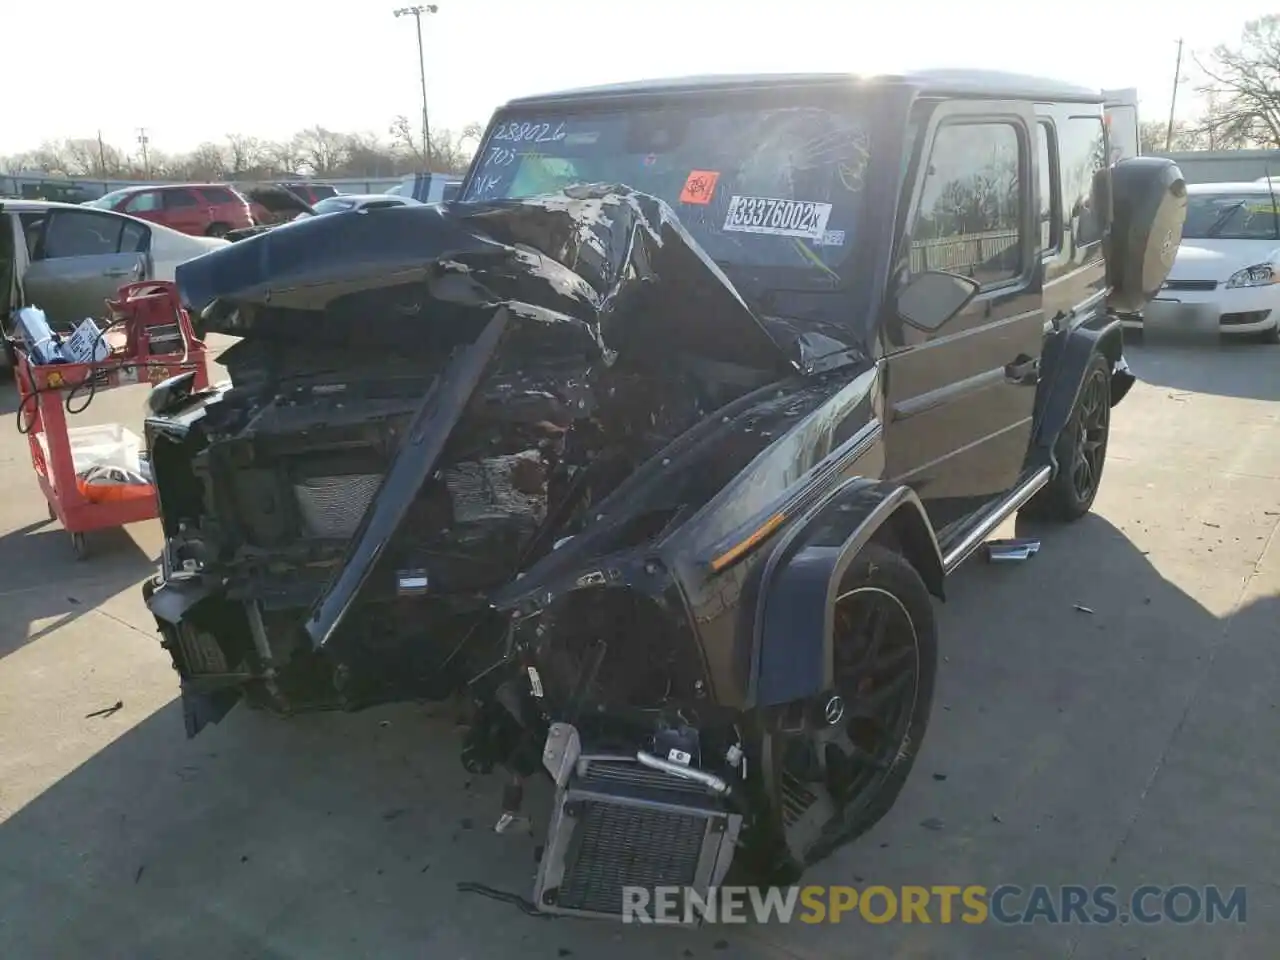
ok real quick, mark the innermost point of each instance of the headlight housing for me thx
(1259, 275)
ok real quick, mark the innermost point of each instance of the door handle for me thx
(119, 273)
(1024, 371)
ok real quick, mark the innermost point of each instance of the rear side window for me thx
(215, 196)
(180, 198)
(1050, 198)
(969, 219)
(322, 190)
(79, 233)
(1082, 147)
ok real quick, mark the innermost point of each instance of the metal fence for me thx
(960, 252)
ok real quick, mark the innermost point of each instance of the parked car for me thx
(1225, 279)
(663, 474)
(427, 187)
(360, 201)
(337, 204)
(311, 191)
(271, 204)
(199, 209)
(68, 259)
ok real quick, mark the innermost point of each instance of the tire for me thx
(1067, 497)
(1272, 335)
(780, 843)
(217, 230)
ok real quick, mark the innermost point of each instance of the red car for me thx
(200, 209)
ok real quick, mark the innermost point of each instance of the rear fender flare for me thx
(794, 625)
(1067, 365)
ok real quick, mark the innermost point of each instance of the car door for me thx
(960, 398)
(79, 258)
(184, 211)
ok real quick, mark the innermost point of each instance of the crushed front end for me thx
(423, 403)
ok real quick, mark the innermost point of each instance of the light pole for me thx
(416, 13)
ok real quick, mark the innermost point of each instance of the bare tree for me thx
(243, 153)
(1244, 87)
(318, 151)
(321, 151)
(1186, 136)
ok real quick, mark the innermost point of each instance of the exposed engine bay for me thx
(425, 404)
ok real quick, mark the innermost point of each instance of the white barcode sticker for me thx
(679, 756)
(781, 218)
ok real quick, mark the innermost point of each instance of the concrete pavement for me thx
(1128, 745)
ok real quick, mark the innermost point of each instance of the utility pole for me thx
(102, 155)
(143, 140)
(416, 13)
(1173, 100)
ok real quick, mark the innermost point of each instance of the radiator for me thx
(332, 507)
(618, 824)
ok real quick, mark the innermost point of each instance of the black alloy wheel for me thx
(834, 764)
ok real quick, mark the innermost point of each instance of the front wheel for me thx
(832, 765)
(218, 230)
(1081, 451)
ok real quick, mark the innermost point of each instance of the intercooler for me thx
(617, 824)
(332, 507)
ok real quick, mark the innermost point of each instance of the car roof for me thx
(1246, 187)
(949, 82)
(363, 197)
(37, 206)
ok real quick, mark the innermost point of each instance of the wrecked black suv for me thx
(658, 443)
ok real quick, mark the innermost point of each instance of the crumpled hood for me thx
(602, 263)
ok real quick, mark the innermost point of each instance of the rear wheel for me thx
(832, 765)
(1081, 451)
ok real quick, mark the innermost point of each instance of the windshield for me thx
(108, 201)
(759, 189)
(334, 205)
(1229, 216)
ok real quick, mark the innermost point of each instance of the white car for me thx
(1226, 274)
(361, 201)
(68, 259)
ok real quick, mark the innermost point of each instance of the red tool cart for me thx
(150, 339)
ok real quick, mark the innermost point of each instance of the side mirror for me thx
(932, 298)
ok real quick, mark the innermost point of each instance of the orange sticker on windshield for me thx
(699, 187)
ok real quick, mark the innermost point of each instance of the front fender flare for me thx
(794, 623)
(1066, 363)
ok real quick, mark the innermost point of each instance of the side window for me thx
(1082, 148)
(216, 196)
(179, 198)
(970, 214)
(1050, 197)
(143, 203)
(76, 233)
(134, 238)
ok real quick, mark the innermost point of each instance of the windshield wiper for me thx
(1223, 218)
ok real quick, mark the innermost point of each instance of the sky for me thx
(191, 72)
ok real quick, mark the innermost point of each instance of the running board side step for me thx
(975, 537)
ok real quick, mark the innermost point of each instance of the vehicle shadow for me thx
(345, 835)
(1226, 369)
(43, 583)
